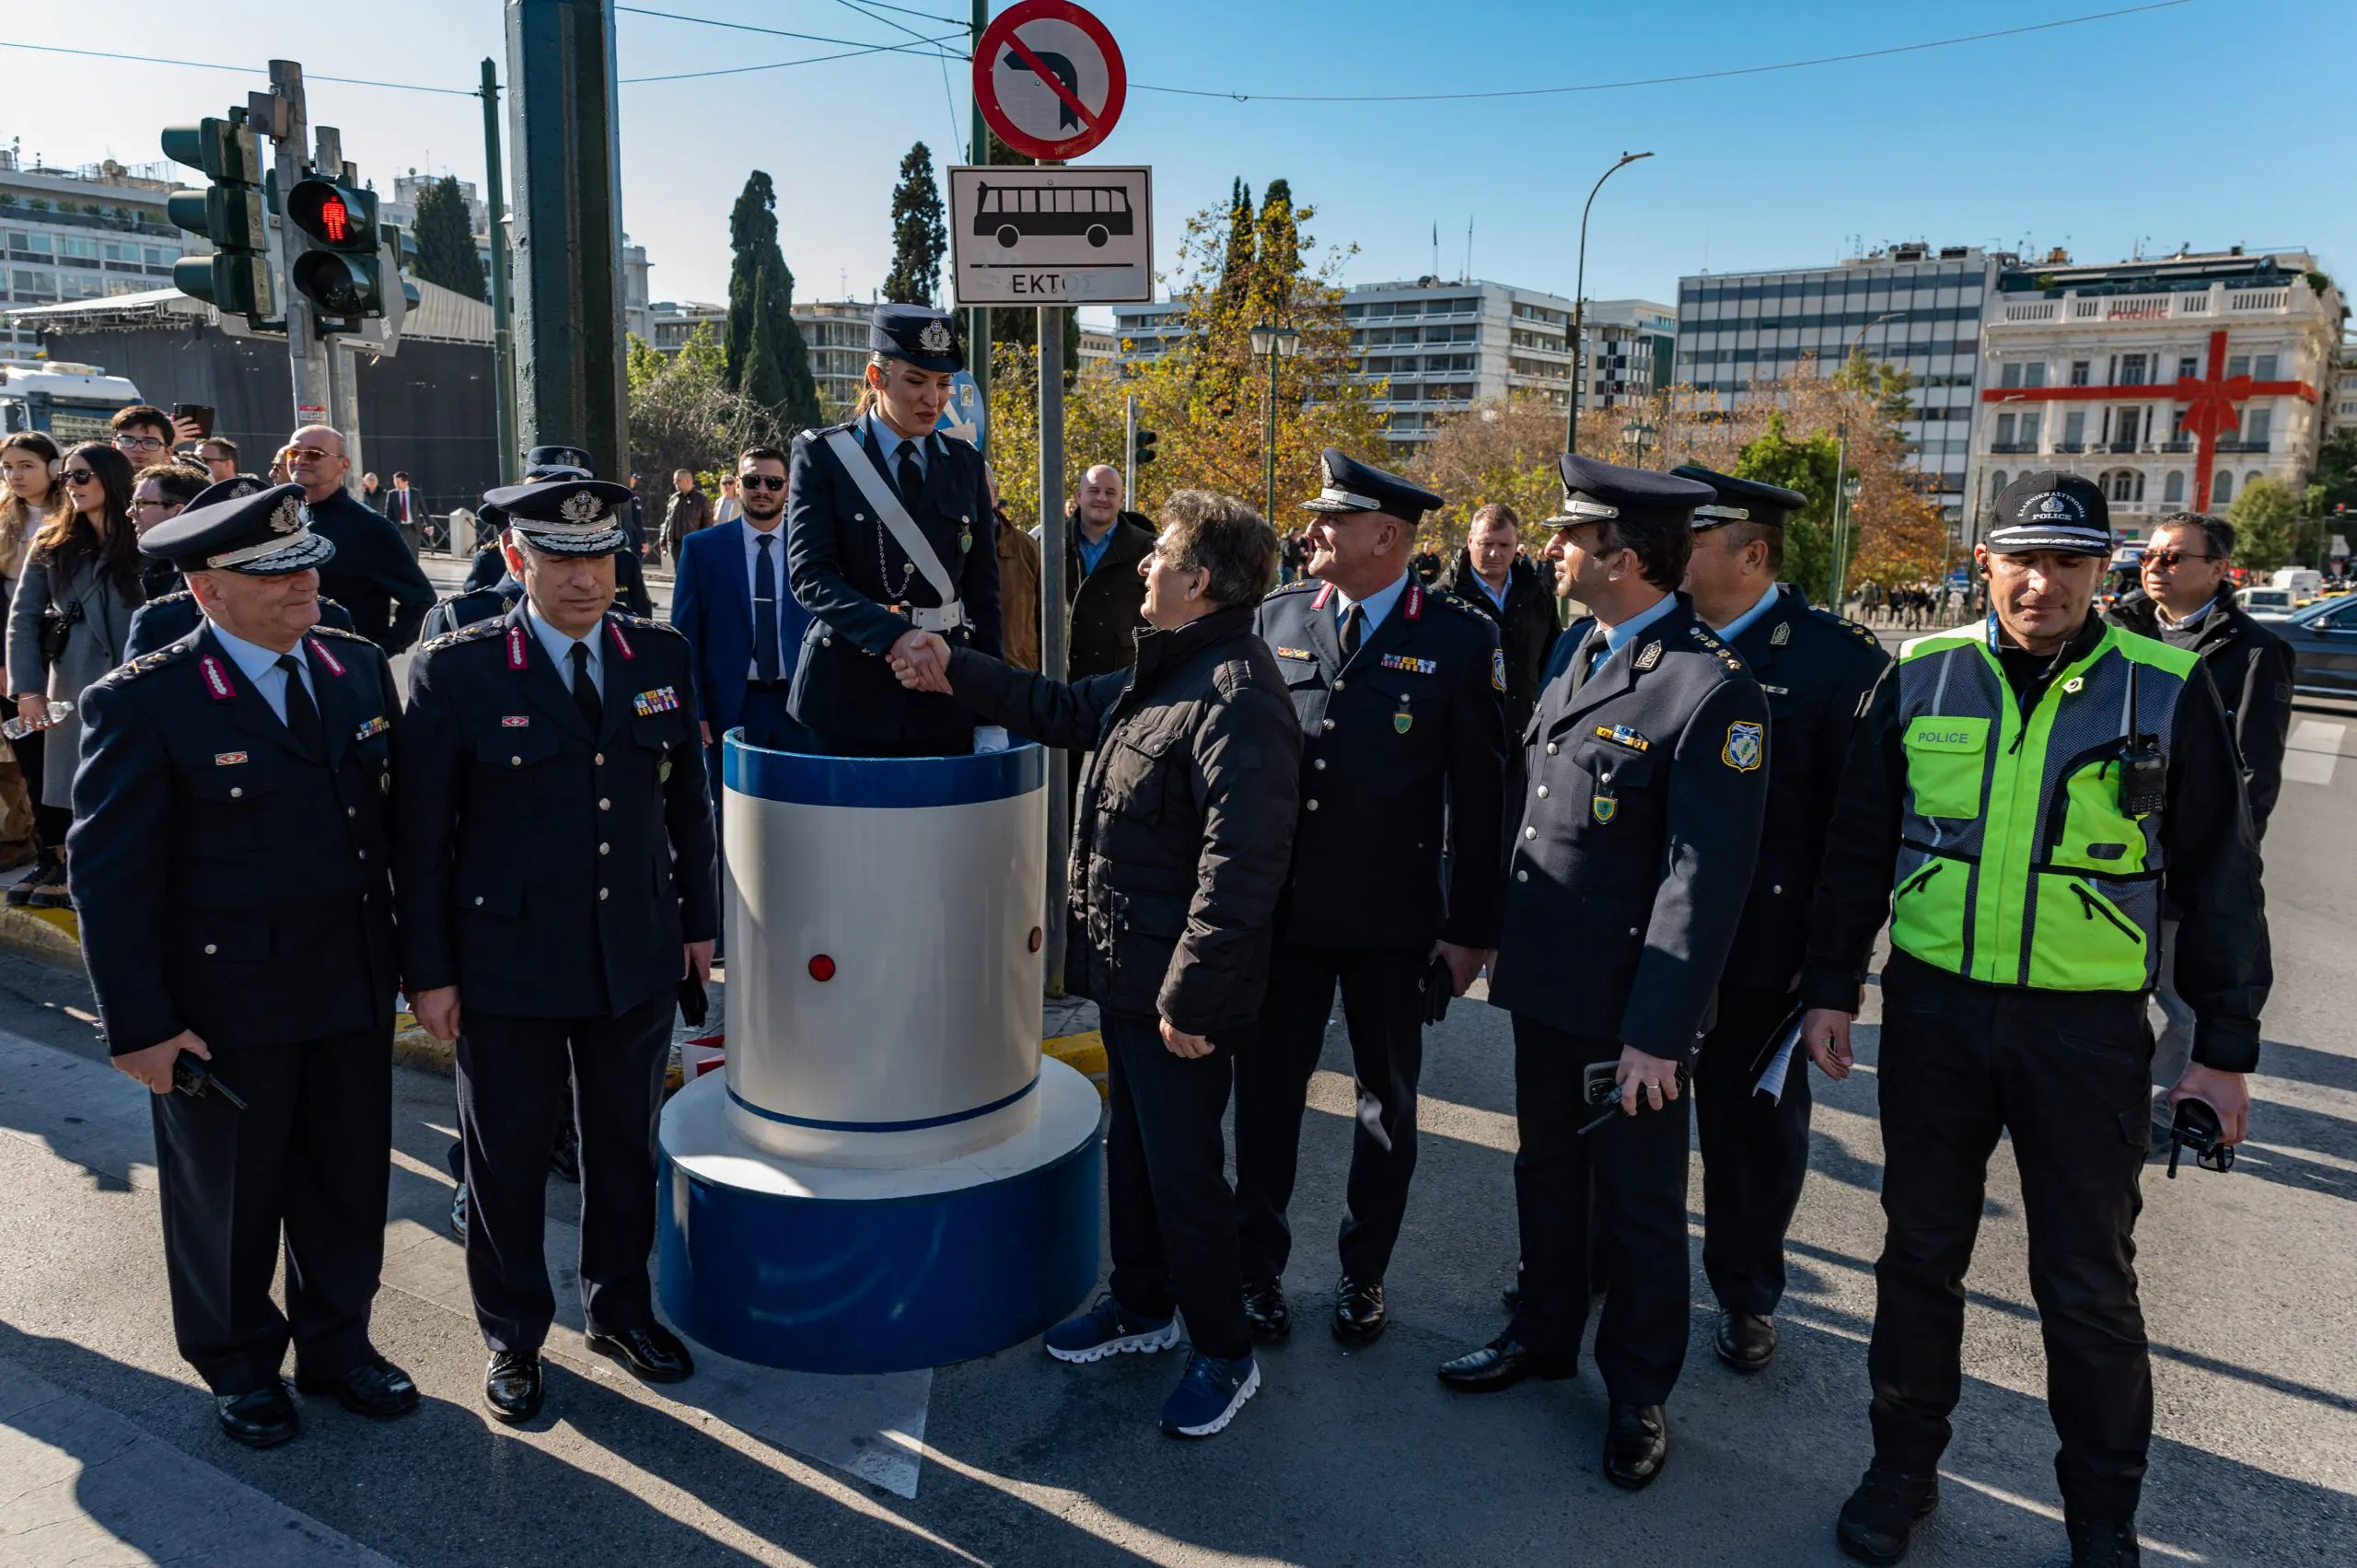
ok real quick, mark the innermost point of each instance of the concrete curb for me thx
(1084, 1053)
(47, 936)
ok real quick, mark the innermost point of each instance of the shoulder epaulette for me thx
(324, 629)
(474, 632)
(146, 664)
(173, 598)
(1458, 602)
(641, 623)
(1298, 585)
(1853, 627)
(1711, 645)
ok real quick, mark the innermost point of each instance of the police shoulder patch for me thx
(1745, 746)
(474, 632)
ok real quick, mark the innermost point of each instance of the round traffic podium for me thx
(887, 1174)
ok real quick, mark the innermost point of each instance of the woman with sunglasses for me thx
(29, 463)
(69, 623)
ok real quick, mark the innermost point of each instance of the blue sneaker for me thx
(1208, 1395)
(1108, 1328)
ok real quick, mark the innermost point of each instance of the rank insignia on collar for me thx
(1781, 636)
(515, 647)
(621, 643)
(1413, 666)
(377, 725)
(1747, 744)
(1294, 652)
(514, 721)
(228, 758)
(662, 700)
(1650, 658)
(216, 680)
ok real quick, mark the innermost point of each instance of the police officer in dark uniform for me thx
(888, 534)
(1641, 786)
(558, 880)
(1397, 690)
(1816, 670)
(169, 617)
(230, 846)
(489, 568)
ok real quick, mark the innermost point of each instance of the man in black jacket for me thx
(372, 575)
(1185, 827)
(1101, 583)
(1494, 575)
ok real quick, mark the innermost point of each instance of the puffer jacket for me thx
(1184, 824)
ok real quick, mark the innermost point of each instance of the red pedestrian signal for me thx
(339, 270)
(336, 221)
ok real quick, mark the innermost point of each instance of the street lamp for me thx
(1276, 342)
(1579, 302)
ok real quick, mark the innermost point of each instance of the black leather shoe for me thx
(376, 1388)
(1746, 1341)
(1500, 1363)
(458, 1213)
(1266, 1309)
(2104, 1543)
(260, 1418)
(651, 1354)
(1359, 1317)
(1636, 1445)
(1881, 1517)
(512, 1385)
(1512, 1295)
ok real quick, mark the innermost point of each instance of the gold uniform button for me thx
(352, 811)
(1327, 722)
(1604, 778)
(478, 901)
(515, 762)
(1338, 683)
(1777, 888)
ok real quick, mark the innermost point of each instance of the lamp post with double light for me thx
(1275, 343)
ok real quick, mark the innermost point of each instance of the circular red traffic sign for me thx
(1049, 80)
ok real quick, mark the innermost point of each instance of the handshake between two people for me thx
(920, 661)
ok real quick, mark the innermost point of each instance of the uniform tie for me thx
(1591, 652)
(1354, 631)
(585, 691)
(302, 718)
(765, 660)
(911, 477)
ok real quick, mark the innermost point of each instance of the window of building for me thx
(2124, 485)
(2078, 373)
(2010, 377)
(2237, 365)
(2188, 369)
(2075, 427)
(2263, 368)
(2258, 424)
(2030, 430)
(2006, 429)
(2173, 488)
(2034, 373)
(2132, 371)
(1997, 482)
(2222, 490)
(81, 250)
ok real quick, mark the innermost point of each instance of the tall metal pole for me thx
(503, 327)
(341, 365)
(978, 354)
(1268, 445)
(1054, 640)
(306, 358)
(1129, 449)
(1579, 304)
(1841, 498)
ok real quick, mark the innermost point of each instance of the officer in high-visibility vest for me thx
(2022, 799)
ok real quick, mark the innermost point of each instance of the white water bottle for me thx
(19, 728)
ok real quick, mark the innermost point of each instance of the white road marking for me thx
(2312, 752)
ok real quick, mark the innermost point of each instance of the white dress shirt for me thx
(559, 648)
(261, 666)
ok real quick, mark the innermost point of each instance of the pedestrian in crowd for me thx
(369, 487)
(219, 456)
(2187, 599)
(1393, 895)
(1495, 576)
(282, 466)
(1640, 799)
(159, 494)
(744, 630)
(1816, 669)
(28, 464)
(143, 433)
(373, 573)
(401, 510)
(68, 624)
(888, 537)
(511, 944)
(1104, 588)
(172, 611)
(230, 854)
(687, 511)
(2014, 1000)
(1426, 563)
(1018, 584)
(731, 505)
(1178, 858)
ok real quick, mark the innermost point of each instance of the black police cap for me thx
(257, 530)
(2047, 509)
(1740, 500)
(1345, 485)
(924, 337)
(1598, 492)
(559, 457)
(566, 517)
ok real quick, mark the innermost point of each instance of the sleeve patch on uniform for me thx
(1745, 746)
(1498, 668)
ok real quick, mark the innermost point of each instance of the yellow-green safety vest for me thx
(2018, 863)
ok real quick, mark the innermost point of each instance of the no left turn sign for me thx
(1049, 80)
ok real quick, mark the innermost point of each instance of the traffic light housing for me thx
(1143, 453)
(237, 279)
(338, 269)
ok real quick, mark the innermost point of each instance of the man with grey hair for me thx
(372, 575)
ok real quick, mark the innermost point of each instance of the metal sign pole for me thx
(1054, 622)
(977, 338)
(1130, 450)
(502, 330)
(289, 128)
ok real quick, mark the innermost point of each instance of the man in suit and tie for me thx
(732, 603)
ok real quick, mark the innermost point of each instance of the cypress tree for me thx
(766, 357)
(445, 240)
(1235, 268)
(920, 235)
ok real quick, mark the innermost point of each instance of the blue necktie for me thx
(765, 610)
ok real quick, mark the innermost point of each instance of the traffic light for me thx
(339, 269)
(237, 278)
(1143, 453)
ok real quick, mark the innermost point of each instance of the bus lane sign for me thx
(1073, 235)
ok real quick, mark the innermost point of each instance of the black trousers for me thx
(305, 1163)
(1383, 1008)
(1623, 1186)
(1171, 1217)
(511, 1078)
(1755, 1151)
(2064, 1073)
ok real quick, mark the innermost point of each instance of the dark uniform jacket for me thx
(1109, 604)
(537, 860)
(1637, 809)
(168, 618)
(1185, 819)
(469, 606)
(2252, 670)
(372, 575)
(227, 882)
(1816, 669)
(1526, 629)
(848, 571)
(1403, 744)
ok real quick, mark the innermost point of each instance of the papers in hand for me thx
(1772, 1081)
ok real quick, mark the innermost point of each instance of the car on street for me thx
(2266, 604)
(2324, 647)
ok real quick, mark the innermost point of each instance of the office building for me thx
(86, 233)
(834, 335)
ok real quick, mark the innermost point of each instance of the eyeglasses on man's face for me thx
(762, 481)
(308, 455)
(127, 442)
(2170, 560)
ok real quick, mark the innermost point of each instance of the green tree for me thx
(445, 240)
(1235, 267)
(765, 358)
(920, 235)
(2335, 481)
(682, 413)
(2266, 520)
(1807, 465)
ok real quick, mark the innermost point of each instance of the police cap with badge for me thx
(240, 526)
(566, 517)
(1740, 500)
(1598, 492)
(2047, 509)
(919, 334)
(558, 462)
(1346, 485)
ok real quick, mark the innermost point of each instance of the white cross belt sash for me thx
(904, 531)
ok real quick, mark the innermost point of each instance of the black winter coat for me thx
(1109, 604)
(1526, 630)
(1186, 816)
(2252, 667)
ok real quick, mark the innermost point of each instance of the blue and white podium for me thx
(887, 1174)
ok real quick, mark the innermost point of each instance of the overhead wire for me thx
(115, 57)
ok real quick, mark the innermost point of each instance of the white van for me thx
(2266, 604)
(2306, 583)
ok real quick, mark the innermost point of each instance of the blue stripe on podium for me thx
(881, 783)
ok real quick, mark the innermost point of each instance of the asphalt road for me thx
(108, 1452)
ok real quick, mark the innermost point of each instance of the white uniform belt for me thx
(935, 618)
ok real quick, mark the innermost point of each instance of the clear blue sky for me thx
(2210, 123)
